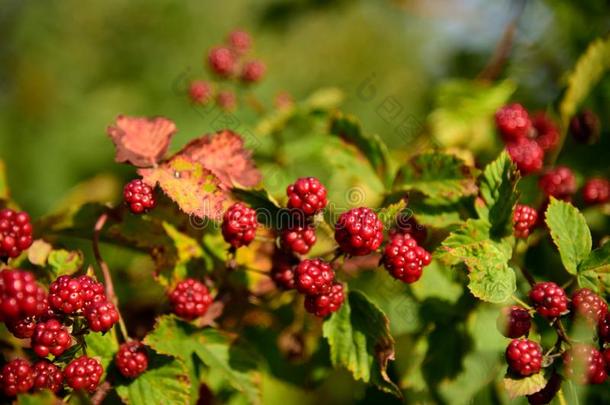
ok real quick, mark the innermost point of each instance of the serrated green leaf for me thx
(166, 381)
(437, 215)
(45, 397)
(104, 346)
(4, 193)
(491, 279)
(65, 262)
(360, 340)
(268, 211)
(372, 146)
(388, 214)
(177, 338)
(570, 233)
(518, 387)
(588, 279)
(498, 190)
(597, 261)
(437, 175)
(589, 69)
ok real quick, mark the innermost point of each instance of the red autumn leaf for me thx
(224, 155)
(194, 188)
(141, 141)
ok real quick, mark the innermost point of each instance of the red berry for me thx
(585, 127)
(91, 291)
(50, 337)
(253, 71)
(20, 295)
(589, 305)
(549, 299)
(526, 154)
(101, 316)
(190, 299)
(240, 41)
(323, 305)
(603, 329)
(139, 196)
(83, 373)
(407, 224)
(226, 100)
(16, 377)
(596, 191)
(15, 233)
(584, 364)
(307, 195)
(514, 322)
(69, 295)
(558, 182)
(513, 122)
(525, 219)
(222, 61)
(200, 92)
(47, 376)
(524, 356)
(299, 239)
(21, 328)
(547, 133)
(404, 258)
(282, 269)
(313, 277)
(239, 225)
(359, 231)
(131, 359)
(546, 395)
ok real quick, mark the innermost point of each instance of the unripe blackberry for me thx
(226, 100)
(404, 258)
(584, 364)
(101, 316)
(596, 191)
(546, 395)
(547, 133)
(323, 305)
(282, 269)
(91, 290)
(83, 373)
(514, 322)
(20, 295)
(16, 377)
(407, 224)
(308, 195)
(21, 328)
(15, 233)
(200, 92)
(585, 127)
(299, 239)
(314, 277)
(50, 337)
(190, 299)
(239, 225)
(527, 155)
(525, 219)
(47, 376)
(359, 231)
(253, 71)
(131, 359)
(549, 299)
(587, 304)
(240, 41)
(558, 182)
(524, 357)
(222, 61)
(70, 295)
(513, 122)
(139, 196)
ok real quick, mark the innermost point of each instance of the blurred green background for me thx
(68, 68)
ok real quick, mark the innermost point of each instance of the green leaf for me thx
(372, 146)
(498, 189)
(65, 262)
(324, 99)
(388, 214)
(463, 114)
(518, 387)
(166, 381)
(589, 69)
(437, 215)
(597, 261)
(104, 346)
(360, 340)
(438, 175)
(570, 233)
(268, 211)
(4, 193)
(187, 249)
(39, 252)
(174, 337)
(45, 397)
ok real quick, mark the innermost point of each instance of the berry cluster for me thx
(525, 219)
(404, 258)
(190, 299)
(15, 233)
(239, 225)
(139, 196)
(228, 61)
(131, 359)
(49, 320)
(316, 279)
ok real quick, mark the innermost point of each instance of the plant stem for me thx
(561, 397)
(99, 225)
(101, 393)
(522, 303)
(528, 276)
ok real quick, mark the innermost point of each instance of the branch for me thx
(101, 393)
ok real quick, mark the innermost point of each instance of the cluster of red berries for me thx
(15, 233)
(228, 61)
(139, 196)
(583, 363)
(48, 320)
(190, 299)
